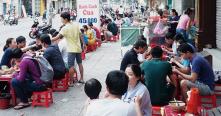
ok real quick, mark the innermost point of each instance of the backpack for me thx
(46, 69)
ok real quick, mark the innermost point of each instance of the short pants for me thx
(203, 88)
(72, 57)
(109, 34)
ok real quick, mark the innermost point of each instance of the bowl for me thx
(177, 106)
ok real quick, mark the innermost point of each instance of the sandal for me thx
(21, 106)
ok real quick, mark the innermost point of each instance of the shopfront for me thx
(218, 23)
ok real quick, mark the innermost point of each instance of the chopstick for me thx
(177, 104)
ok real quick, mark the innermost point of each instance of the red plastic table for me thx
(8, 79)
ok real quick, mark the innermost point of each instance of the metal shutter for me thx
(218, 23)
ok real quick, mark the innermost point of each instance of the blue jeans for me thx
(161, 40)
(24, 89)
(185, 36)
(183, 33)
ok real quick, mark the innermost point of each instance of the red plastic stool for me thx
(118, 36)
(114, 38)
(83, 56)
(91, 48)
(98, 43)
(210, 100)
(218, 93)
(156, 111)
(43, 98)
(61, 85)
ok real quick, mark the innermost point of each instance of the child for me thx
(183, 64)
(21, 42)
(92, 88)
(85, 38)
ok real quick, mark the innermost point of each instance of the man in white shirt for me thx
(112, 105)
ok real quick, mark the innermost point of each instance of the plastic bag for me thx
(193, 101)
(160, 29)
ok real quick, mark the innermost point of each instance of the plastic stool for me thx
(217, 91)
(83, 56)
(114, 38)
(211, 101)
(91, 48)
(98, 43)
(156, 111)
(42, 98)
(61, 85)
(118, 36)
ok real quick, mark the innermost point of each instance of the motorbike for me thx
(37, 30)
(13, 20)
(37, 14)
(6, 19)
(10, 20)
(1, 18)
(34, 27)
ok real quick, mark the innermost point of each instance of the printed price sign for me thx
(88, 11)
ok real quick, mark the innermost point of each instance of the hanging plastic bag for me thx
(160, 29)
(193, 101)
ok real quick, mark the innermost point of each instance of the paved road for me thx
(23, 28)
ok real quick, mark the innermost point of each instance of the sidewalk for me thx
(70, 103)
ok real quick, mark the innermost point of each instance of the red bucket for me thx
(5, 101)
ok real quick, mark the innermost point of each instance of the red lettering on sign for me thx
(92, 6)
(86, 12)
(82, 6)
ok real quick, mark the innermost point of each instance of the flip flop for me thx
(18, 107)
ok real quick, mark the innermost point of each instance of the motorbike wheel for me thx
(31, 35)
(11, 23)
